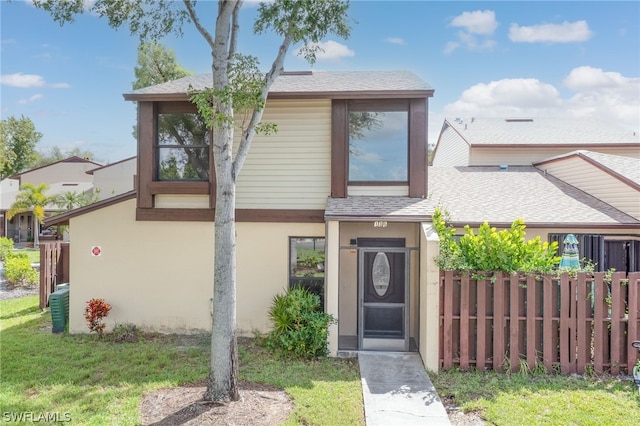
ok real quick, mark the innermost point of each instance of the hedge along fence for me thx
(568, 323)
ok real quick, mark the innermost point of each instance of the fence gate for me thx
(54, 268)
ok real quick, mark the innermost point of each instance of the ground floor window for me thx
(306, 264)
(619, 252)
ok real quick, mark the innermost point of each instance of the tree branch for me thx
(196, 21)
(233, 42)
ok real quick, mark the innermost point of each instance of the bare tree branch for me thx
(196, 21)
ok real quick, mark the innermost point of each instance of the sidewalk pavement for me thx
(397, 391)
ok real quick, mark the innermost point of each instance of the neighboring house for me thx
(550, 207)
(523, 141)
(68, 175)
(343, 182)
(498, 170)
(114, 179)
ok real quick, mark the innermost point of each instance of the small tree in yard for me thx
(237, 87)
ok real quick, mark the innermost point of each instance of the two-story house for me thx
(68, 175)
(339, 193)
(561, 175)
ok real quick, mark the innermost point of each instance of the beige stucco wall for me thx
(159, 275)
(114, 179)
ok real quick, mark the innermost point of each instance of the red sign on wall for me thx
(96, 251)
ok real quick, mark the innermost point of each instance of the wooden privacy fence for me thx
(564, 323)
(54, 268)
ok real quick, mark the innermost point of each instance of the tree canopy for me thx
(18, 139)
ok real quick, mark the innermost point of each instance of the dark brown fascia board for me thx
(554, 225)
(242, 215)
(380, 94)
(90, 172)
(594, 163)
(63, 219)
(575, 146)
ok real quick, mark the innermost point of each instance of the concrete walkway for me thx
(397, 391)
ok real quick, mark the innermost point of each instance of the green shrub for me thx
(492, 250)
(125, 333)
(18, 270)
(300, 328)
(6, 247)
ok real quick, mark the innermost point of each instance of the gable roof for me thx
(73, 159)
(316, 84)
(540, 131)
(473, 195)
(625, 169)
(90, 172)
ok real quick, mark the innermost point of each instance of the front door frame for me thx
(381, 343)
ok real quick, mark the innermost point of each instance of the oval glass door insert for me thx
(381, 273)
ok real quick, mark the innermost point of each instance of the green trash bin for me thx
(59, 307)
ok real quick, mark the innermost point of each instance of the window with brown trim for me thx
(378, 142)
(182, 147)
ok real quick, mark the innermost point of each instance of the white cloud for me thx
(596, 94)
(22, 80)
(477, 22)
(331, 51)
(477, 28)
(30, 99)
(29, 81)
(567, 32)
(395, 40)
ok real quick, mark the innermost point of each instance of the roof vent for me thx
(503, 167)
(519, 120)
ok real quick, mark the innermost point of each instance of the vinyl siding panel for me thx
(525, 155)
(114, 180)
(292, 168)
(602, 185)
(392, 191)
(452, 150)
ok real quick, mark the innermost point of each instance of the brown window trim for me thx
(417, 163)
(242, 215)
(147, 183)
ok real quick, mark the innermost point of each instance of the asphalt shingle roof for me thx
(376, 207)
(541, 131)
(477, 194)
(313, 82)
(624, 166)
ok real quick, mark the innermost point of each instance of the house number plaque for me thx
(380, 273)
(380, 224)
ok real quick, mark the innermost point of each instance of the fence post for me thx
(583, 347)
(448, 320)
(498, 321)
(481, 319)
(633, 330)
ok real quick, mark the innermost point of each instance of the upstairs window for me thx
(182, 147)
(378, 143)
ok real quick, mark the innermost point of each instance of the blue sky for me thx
(484, 59)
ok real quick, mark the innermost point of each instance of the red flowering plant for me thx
(94, 313)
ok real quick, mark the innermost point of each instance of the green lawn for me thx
(97, 381)
(542, 399)
(32, 253)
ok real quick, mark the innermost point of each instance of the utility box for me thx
(59, 307)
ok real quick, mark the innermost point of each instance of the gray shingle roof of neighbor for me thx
(306, 83)
(541, 131)
(627, 167)
(376, 207)
(476, 194)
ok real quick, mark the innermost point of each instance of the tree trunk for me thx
(223, 379)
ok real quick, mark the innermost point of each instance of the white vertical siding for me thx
(114, 179)
(592, 180)
(452, 150)
(292, 168)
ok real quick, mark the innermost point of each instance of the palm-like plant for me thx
(31, 198)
